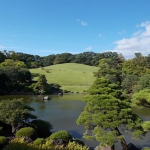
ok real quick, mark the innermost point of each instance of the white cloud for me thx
(122, 32)
(83, 23)
(100, 34)
(2, 47)
(139, 42)
(88, 48)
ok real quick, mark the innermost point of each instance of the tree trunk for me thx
(13, 129)
(122, 141)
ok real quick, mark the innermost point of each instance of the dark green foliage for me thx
(42, 87)
(2, 57)
(129, 82)
(27, 132)
(3, 141)
(141, 99)
(62, 134)
(15, 113)
(39, 141)
(19, 146)
(109, 69)
(42, 127)
(144, 82)
(80, 142)
(105, 112)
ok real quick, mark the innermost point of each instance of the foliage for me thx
(75, 146)
(27, 132)
(105, 112)
(144, 82)
(62, 134)
(3, 141)
(42, 127)
(129, 82)
(19, 146)
(141, 99)
(109, 69)
(39, 142)
(15, 113)
(46, 146)
(12, 63)
(41, 87)
(136, 66)
(78, 141)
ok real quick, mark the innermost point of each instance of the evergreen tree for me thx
(15, 113)
(105, 112)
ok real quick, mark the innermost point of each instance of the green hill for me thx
(71, 76)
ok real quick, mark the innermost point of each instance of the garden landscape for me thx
(74, 75)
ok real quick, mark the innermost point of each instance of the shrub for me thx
(27, 132)
(39, 141)
(62, 134)
(75, 146)
(78, 141)
(42, 127)
(19, 146)
(3, 141)
(47, 71)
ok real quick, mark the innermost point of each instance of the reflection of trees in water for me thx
(144, 112)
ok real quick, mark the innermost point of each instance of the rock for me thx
(28, 140)
(60, 94)
(131, 147)
(104, 148)
(58, 142)
(46, 98)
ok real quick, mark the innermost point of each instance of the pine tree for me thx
(105, 112)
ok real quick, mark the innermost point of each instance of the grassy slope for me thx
(71, 76)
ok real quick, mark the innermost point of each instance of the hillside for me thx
(71, 76)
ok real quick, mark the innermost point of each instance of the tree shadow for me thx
(34, 75)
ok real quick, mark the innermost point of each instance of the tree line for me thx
(35, 61)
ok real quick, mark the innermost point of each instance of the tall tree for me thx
(107, 110)
(42, 87)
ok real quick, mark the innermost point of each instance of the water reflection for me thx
(62, 112)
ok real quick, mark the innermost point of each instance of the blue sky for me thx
(44, 27)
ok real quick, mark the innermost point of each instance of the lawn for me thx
(71, 76)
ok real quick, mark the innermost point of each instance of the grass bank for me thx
(71, 76)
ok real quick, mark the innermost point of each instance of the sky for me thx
(44, 27)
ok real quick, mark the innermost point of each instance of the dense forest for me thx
(131, 75)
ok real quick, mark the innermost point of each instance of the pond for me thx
(62, 112)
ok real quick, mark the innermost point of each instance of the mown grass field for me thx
(71, 76)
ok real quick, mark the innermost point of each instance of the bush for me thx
(42, 127)
(27, 132)
(19, 146)
(39, 141)
(78, 141)
(76, 146)
(62, 134)
(3, 141)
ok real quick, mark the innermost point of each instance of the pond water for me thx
(62, 112)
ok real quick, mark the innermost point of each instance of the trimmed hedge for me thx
(27, 132)
(3, 141)
(39, 141)
(62, 134)
(42, 127)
